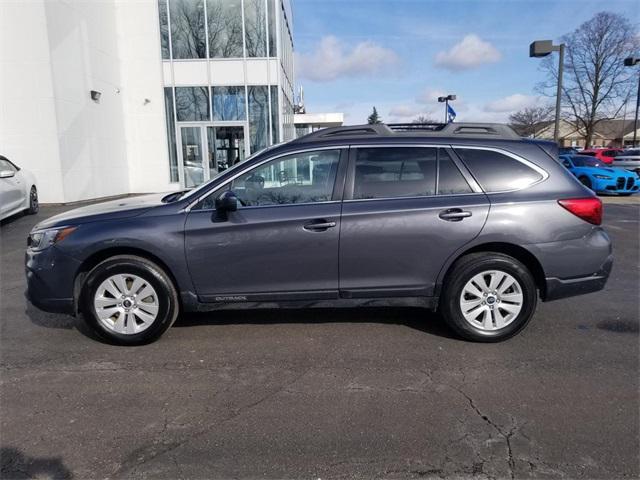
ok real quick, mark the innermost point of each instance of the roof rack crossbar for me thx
(462, 130)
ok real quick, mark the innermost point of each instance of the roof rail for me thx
(461, 130)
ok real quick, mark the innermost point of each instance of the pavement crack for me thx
(172, 446)
(506, 435)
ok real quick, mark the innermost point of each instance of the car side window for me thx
(497, 172)
(391, 172)
(6, 165)
(306, 177)
(450, 179)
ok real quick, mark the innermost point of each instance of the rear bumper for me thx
(557, 288)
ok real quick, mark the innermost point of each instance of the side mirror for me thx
(225, 203)
(7, 173)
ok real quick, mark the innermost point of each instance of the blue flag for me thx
(451, 113)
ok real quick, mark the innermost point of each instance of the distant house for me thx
(608, 133)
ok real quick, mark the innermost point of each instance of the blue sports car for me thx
(600, 177)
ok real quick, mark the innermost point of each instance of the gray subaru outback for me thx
(467, 219)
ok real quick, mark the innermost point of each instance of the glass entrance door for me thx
(204, 154)
(192, 156)
(226, 147)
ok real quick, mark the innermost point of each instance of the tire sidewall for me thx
(167, 300)
(33, 208)
(461, 276)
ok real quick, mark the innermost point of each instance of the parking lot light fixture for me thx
(542, 48)
(631, 62)
(446, 101)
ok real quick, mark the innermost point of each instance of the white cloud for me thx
(471, 52)
(430, 96)
(332, 60)
(404, 111)
(511, 103)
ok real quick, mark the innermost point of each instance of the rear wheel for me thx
(34, 206)
(129, 300)
(488, 297)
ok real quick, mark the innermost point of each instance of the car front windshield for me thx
(584, 161)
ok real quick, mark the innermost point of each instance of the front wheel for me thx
(129, 300)
(488, 297)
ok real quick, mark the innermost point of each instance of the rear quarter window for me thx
(497, 172)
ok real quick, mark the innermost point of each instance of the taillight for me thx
(588, 209)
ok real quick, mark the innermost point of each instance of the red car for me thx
(603, 154)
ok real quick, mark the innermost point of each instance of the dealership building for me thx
(110, 97)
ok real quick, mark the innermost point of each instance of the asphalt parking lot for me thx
(385, 393)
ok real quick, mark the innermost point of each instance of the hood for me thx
(111, 210)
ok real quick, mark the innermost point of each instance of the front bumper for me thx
(557, 288)
(50, 277)
(617, 185)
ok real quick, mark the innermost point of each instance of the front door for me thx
(281, 243)
(206, 150)
(410, 209)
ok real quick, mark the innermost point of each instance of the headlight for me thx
(602, 177)
(41, 239)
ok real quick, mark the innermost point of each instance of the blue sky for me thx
(401, 54)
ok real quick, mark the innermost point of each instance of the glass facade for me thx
(192, 104)
(208, 39)
(228, 103)
(224, 26)
(188, 35)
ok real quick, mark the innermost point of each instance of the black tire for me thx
(34, 205)
(150, 272)
(466, 268)
(586, 182)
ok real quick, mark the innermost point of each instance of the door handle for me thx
(319, 225)
(454, 214)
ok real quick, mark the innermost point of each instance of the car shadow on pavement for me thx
(416, 318)
(15, 464)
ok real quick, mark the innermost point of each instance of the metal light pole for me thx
(542, 48)
(630, 62)
(446, 105)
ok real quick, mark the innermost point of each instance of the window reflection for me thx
(171, 134)
(188, 38)
(275, 130)
(164, 28)
(228, 103)
(224, 20)
(255, 28)
(192, 104)
(271, 15)
(258, 117)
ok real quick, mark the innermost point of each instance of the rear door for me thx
(282, 243)
(406, 210)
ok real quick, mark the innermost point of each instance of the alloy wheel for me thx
(491, 300)
(126, 304)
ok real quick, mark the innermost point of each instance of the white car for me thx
(18, 191)
(629, 159)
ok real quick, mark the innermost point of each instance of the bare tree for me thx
(596, 84)
(424, 119)
(528, 120)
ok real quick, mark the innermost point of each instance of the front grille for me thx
(620, 182)
(630, 182)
